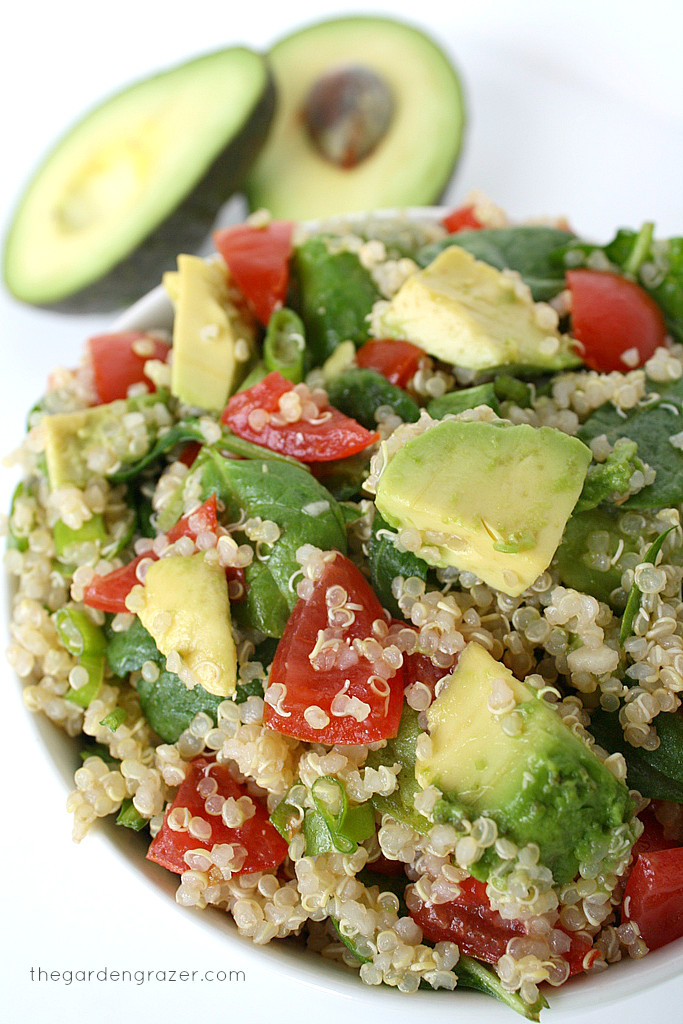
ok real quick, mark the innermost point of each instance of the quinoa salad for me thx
(360, 592)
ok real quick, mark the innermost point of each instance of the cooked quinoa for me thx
(564, 643)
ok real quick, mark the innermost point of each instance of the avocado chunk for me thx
(472, 315)
(354, 95)
(540, 785)
(206, 331)
(74, 439)
(186, 609)
(138, 179)
(487, 498)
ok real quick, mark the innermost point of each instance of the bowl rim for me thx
(620, 982)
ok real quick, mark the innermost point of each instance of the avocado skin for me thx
(185, 230)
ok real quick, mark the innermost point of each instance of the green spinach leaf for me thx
(528, 249)
(657, 774)
(334, 295)
(303, 509)
(359, 393)
(651, 427)
(386, 562)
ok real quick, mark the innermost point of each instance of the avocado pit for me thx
(347, 113)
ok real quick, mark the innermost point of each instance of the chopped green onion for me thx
(86, 641)
(633, 603)
(284, 345)
(641, 248)
(66, 538)
(114, 719)
(129, 817)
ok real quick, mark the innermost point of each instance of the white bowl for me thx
(611, 989)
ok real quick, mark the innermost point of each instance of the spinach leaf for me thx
(359, 393)
(574, 558)
(334, 295)
(527, 249)
(657, 774)
(650, 426)
(303, 509)
(166, 702)
(127, 651)
(344, 478)
(169, 706)
(386, 562)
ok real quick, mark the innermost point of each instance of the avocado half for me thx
(412, 162)
(137, 180)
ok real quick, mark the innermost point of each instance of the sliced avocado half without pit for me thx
(137, 180)
(370, 114)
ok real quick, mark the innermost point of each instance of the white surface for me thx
(573, 109)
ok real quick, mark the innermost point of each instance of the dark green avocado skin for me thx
(186, 229)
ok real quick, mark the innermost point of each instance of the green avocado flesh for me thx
(138, 179)
(484, 497)
(541, 786)
(412, 162)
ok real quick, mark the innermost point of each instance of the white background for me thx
(573, 108)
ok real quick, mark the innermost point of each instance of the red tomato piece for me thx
(462, 219)
(396, 360)
(478, 930)
(109, 593)
(467, 920)
(331, 435)
(420, 667)
(390, 868)
(117, 366)
(258, 260)
(612, 315)
(190, 453)
(303, 685)
(266, 849)
(654, 896)
(652, 837)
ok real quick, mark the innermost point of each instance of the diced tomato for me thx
(420, 668)
(462, 219)
(116, 366)
(652, 837)
(612, 316)
(654, 896)
(109, 593)
(479, 931)
(383, 866)
(302, 693)
(331, 435)
(396, 360)
(258, 260)
(190, 453)
(266, 849)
